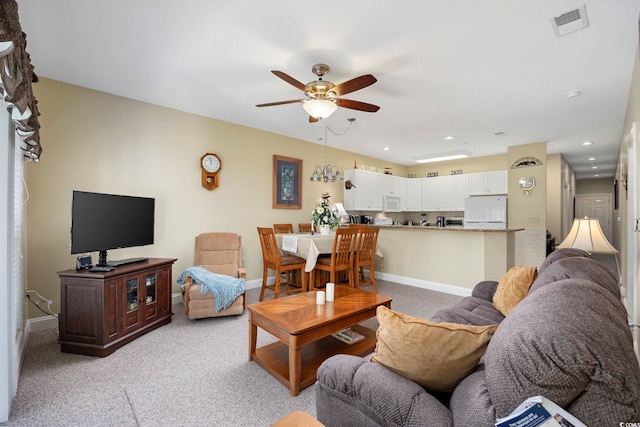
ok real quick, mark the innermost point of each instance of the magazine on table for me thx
(538, 411)
(348, 335)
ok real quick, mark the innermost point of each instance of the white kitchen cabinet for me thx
(488, 183)
(429, 194)
(462, 191)
(366, 195)
(444, 193)
(413, 199)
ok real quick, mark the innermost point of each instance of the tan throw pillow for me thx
(513, 287)
(435, 355)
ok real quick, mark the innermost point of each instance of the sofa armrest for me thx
(485, 290)
(368, 394)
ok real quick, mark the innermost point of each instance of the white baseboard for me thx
(425, 284)
(43, 323)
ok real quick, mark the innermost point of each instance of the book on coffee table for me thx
(348, 336)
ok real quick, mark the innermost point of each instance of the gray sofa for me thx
(567, 340)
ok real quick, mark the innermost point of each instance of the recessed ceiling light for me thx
(595, 174)
(573, 94)
(591, 159)
(449, 138)
(594, 167)
(587, 143)
(385, 149)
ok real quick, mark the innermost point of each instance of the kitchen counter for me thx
(448, 228)
(449, 259)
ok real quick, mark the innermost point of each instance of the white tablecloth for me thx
(309, 246)
(306, 245)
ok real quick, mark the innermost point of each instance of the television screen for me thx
(108, 221)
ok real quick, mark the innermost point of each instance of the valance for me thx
(16, 76)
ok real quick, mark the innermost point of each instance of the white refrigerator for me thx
(485, 212)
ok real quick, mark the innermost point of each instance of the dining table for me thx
(308, 246)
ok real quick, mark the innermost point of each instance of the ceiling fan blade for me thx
(357, 105)
(270, 104)
(354, 84)
(287, 78)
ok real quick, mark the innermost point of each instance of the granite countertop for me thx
(449, 228)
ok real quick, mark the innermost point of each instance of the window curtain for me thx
(16, 76)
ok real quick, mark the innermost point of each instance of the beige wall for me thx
(596, 185)
(627, 241)
(561, 188)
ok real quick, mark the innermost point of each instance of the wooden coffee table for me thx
(304, 329)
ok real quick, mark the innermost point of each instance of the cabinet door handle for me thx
(140, 299)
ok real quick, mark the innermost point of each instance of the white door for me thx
(596, 206)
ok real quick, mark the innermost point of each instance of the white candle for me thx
(319, 297)
(330, 291)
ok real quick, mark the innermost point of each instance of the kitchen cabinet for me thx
(413, 199)
(100, 312)
(488, 183)
(445, 193)
(369, 189)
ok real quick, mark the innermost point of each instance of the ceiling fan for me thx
(323, 96)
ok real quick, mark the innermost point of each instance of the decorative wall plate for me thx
(524, 162)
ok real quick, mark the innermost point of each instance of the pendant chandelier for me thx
(328, 173)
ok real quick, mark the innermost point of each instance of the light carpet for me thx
(187, 373)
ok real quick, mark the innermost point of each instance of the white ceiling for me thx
(468, 68)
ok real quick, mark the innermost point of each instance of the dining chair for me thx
(352, 225)
(365, 256)
(283, 228)
(273, 260)
(304, 227)
(341, 258)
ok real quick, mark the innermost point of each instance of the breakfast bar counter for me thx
(434, 256)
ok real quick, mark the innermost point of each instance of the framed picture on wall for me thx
(287, 183)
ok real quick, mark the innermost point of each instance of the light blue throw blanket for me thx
(225, 288)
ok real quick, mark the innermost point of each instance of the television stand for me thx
(118, 263)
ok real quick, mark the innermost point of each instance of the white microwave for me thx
(391, 203)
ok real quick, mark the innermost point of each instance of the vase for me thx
(325, 229)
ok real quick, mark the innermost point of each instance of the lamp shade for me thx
(319, 108)
(587, 235)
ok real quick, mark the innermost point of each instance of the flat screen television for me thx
(100, 222)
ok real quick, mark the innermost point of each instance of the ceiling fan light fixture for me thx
(319, 108)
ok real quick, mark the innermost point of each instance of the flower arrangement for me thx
(325, 213)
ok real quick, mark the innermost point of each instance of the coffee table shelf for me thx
(274, 357)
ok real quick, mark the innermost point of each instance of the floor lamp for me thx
(587, 235)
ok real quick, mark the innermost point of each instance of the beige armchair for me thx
(219, 253)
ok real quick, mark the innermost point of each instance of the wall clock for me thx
(210, 164)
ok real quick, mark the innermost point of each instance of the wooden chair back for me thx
(357, 225)
(344, 243)
(364, 256)
(366, 247)
(283, 228)
(341, 258)
(304, 227)
(269, 245)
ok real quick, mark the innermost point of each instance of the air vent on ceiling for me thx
(570, 22)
